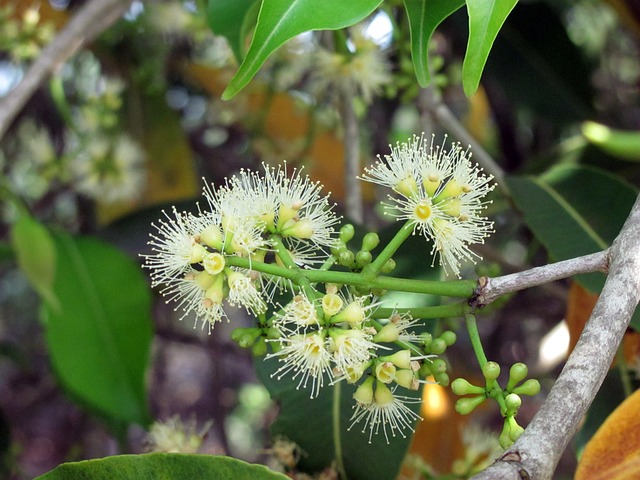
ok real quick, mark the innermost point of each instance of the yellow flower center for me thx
(423, 211)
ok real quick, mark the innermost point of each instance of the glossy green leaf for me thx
(424, 18)
(281, 20)
(573, 211)
(99, 338)
(36, 256)
(485, 20)
(162, 466)
(227, 18)
(320, 427)
(619, 143)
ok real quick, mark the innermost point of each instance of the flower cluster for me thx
(272, 218)
(440, 192)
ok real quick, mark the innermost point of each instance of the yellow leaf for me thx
(613, 453)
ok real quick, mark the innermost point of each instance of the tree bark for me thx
(536, 453)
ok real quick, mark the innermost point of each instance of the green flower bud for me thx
(442, 379)
(438, 346)
(460, 386)
(259, 348)
(389, 266)
(363, 258)
(505, 439)
(273, 333)
(531, 387)
(512, 402)
(464, 406)
(449, 337)
(515, 430)
(346, 258)
(517, 373)
(438, 366)
(491, 371)
(245, 337)
(346, 233)
(426, 340)
(370, 241)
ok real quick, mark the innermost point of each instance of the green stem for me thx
(56, 88)
(437, 311)
(301, 280)
(374, 267)
(474, 336)
(337, 438)
(449, 288)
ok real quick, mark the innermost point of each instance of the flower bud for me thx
(460, 386)
(245, 337)
(517, 373)
(346, 233)
(512, 402)
(530, 387)
(364, 393)
(363, 258)
(389, 266)
(438, 346)
(346, 258)
(464, 406)
(438, 366)
(449, 337)
(370, 241)
(401, 359)
(259, 348)
(442, 379)
(491, 371)
(515, 430)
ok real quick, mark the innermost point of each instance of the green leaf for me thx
(162, 466)
(281, 20)
(573, 211)
(424, 18)
(485, 20)
(99, 338)
(36, 256)
(319, 426)
(227, 18)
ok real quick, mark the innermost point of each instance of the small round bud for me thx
(460, 386)
(438, 346)
(517, 373)
(512, 402)
(464, 406)
(438, 366)
(530, 387)
(259, 348)
(389, 266)
(442, 379)
(363, 258)
(491, 371)
(346, 258)
(449, 337)
(245, 337)
(426, 340)
(273, 332)
(370, 241)
(346, 233)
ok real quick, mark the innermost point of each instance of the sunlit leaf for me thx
(613, 453)
(281, 20)
(621, 144)
(485, 20)
(227, 18)
(162, 466)
(99, 338)
(424, 18)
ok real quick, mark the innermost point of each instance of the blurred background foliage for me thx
(132, 123)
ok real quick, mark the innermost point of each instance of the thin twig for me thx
(429, 100)
(538, 450)
(351, 141)
(491, 288)
(92, 19)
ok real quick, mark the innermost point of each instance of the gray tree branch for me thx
(92, 18)
(537, 452)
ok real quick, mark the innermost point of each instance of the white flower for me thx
(174, 247)
(398, 329)
(305, 356)
(383, 408)
(440, 193)
(175, 436)
(243, 292)
(351, 348)
(299, 312)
